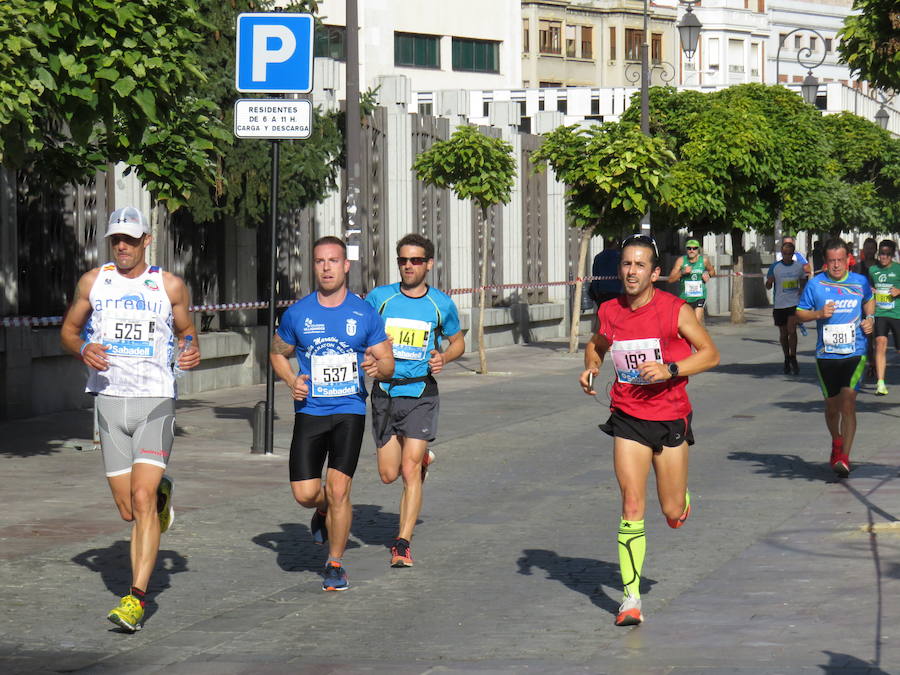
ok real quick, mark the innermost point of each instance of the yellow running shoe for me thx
(880, 389)
(128, 614)
(164, 503)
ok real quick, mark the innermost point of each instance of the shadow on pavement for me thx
(294, 548)
(768, 370)
(113, 564)
(373, 526)
(844, 664)
(782, 465)
(584, 575)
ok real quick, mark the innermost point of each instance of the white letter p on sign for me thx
(263, 56)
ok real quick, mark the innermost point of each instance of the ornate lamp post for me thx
(689, 32)
(810, 86)
(882, 117)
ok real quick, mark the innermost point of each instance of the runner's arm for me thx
(770, 277)
(180, 298)
(868, 322)
(675, 274)
(379, 361)
(705, 356)
(594, 352)
(74, 322)
(454, 350)
(710, 270)
(804, 315)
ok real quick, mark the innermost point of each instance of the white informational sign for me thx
(272, 118)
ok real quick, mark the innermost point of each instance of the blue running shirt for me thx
(329, 343)
(840, 336)
(412, 324)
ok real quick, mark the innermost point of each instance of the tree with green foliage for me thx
(83, 84)
(747, 155)
(869, 42)
(612, 173)
(309, 167)
(476, 167)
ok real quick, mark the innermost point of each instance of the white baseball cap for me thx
(129, 221)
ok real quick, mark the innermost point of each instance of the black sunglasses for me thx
(415, 261)
(692, 248)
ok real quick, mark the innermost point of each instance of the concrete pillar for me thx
(9, 247)
(505, 116)
(394, 94)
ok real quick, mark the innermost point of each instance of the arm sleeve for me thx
(450, 319)
(285, 329)
(808, 299)
(376, 333)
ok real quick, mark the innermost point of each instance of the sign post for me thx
(274, 54)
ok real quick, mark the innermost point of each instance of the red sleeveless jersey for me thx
(657, 320)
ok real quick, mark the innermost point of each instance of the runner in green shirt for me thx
(885, 278)
(691, 272)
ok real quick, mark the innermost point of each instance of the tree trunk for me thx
(482, 355)
(737, 281)
(580, 272)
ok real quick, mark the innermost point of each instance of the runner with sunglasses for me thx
(885, 278)
(655, 341)
(405, 408)
(692, 272)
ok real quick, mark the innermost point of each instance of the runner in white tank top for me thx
(125, 323)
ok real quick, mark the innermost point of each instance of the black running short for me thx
(652, 433)
(888, 324)
(781, 316)
(696, 304)
(835, 374)
(337, 437)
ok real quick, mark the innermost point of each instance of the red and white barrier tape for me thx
(262, 304)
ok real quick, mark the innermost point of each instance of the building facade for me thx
(464, 44)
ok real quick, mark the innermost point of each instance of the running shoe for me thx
(335, 577)
(795, 367)
(803, 330)
(401, 556)
(787, 365)
(880, 389)
(128, 615)
(629, 612)
(164, 508)
(675, 523)
(426, 460)
(840, 462)
(317, 528)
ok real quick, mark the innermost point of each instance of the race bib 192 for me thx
(409, 338)
(629, 355)
(334, 375)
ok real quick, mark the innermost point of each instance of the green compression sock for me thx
(632, 547)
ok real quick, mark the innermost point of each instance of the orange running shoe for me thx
(629, 612)
(675, 523)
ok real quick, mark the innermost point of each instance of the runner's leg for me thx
(145, 533)
(340, 512)
(411, 500)
(671, 468)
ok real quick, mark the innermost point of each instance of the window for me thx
(828, 45)
(526, 36)
(782, 38)
(480, 56)
(713, 53)
(549, 36)
(418, 51)
(612, 43)
(798, 41)
(426, 109)
(330, 43)
(633, 39)
(587, 42)
(656, 48)
(736, 56)
(570, 41)
(813, 44)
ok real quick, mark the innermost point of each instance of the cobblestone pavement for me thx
(781, 569)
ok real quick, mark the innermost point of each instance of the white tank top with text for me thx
(133, 317)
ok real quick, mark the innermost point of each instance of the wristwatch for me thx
(673, 369)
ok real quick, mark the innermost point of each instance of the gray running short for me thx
(135, 431)
(403, 416)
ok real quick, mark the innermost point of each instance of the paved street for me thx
(781, 569)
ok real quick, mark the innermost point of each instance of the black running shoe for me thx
(318, 529)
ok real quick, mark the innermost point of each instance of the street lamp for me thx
(689, 31)
(810, 86)
(882, 117)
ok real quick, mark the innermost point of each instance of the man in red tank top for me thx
(650, 335)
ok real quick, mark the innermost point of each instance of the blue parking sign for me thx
(274, 53)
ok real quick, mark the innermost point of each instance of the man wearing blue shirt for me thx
(405, 408)
(336, 337)
(843, 306)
